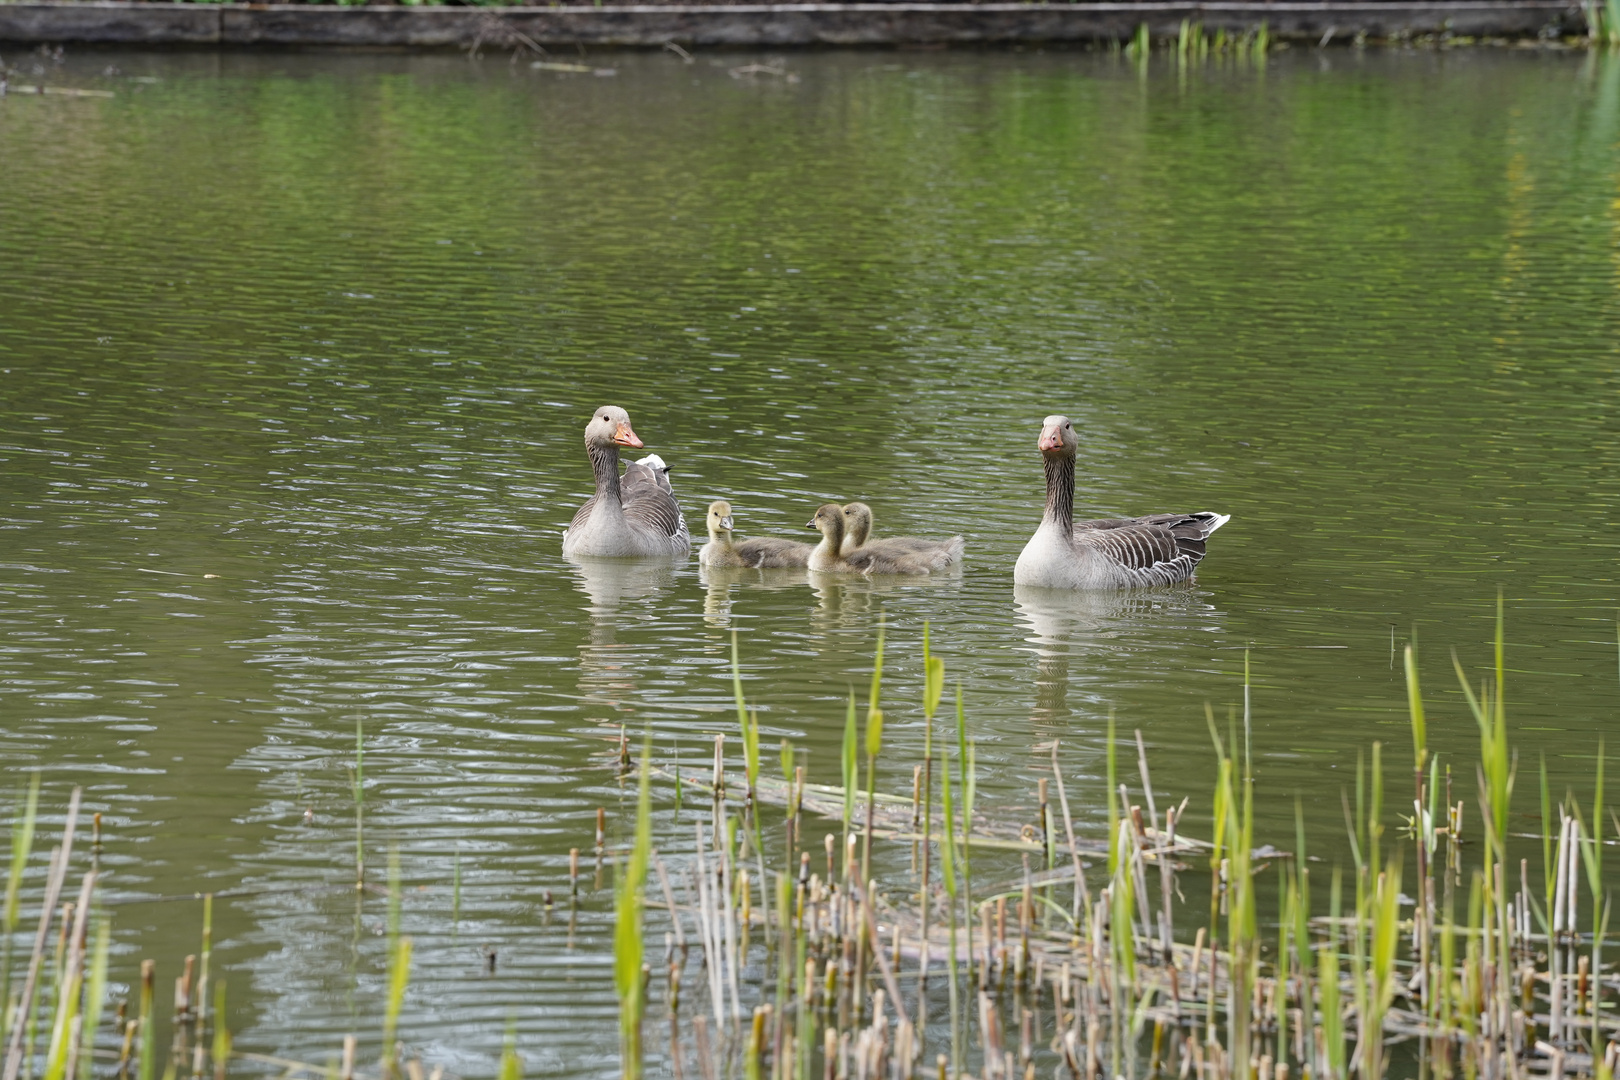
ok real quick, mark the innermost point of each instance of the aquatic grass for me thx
(749, 727)
(511, 1067)
(947, 858)
(222, 1033)
(95, 996)
(1602, 21)
(847, 765)
(627, 928)
(399, 968)
(833, 986)
(874, 746)
(359, 785)
(1118, 990)
(1141, 43)
(968, 777)
(22, 844)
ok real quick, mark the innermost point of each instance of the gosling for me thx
(760, 552)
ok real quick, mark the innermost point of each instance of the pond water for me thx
(296, 352)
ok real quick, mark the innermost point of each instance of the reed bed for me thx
(1435, 954)
(56, 1023)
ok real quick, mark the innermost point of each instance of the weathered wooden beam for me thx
(770, 25)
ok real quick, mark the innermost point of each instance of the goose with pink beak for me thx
(1105, 553)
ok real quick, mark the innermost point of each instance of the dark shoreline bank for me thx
(770, 25)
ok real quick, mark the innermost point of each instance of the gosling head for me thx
(829, 520)
(857, 522)
(610, 426)
(1058, 438)
(720, 519)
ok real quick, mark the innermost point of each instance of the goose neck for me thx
(829, 552)
(1060, 491)
(605, 464)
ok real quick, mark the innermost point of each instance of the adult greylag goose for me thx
(1107, 553)
(637, 517)
(858, 531)
(759, 552)
(828, 557)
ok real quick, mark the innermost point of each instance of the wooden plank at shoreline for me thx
(757, 25)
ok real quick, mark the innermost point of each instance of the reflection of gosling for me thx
(858, 529)
(827, 558)
(765, 552)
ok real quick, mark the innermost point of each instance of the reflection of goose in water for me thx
(1065, 623)
(726, 582)
(852, 599)
(607, 668)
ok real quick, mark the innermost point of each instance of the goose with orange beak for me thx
(637, 517)
(1104, 553)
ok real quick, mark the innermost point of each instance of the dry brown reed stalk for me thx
(1126, 998)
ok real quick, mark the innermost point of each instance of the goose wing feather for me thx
(870, 560)
(935, 554)
(1200, 524)
(1157, 550)
(769, 552)
(652, 506)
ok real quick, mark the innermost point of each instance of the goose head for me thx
(720, 519)
(857, 522)
(1058, 438)
(829, 520)
(610, 426)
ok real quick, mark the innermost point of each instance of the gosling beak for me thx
(811, 524)
(625, 437)
(1051, 438)
(725, 522)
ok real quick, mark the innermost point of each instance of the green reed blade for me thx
(22, 843)
(947, 859)
(1548, 870)
(1414, 707)
(1592, 850)
(455, 879)
(1327, 965)
(933, 678)
(1375, 814)
(95, 996)
(1113, 806)
(399, 976)
(511, 1065)
(146, 1063)
(846, 760)
(748, 725)
(222, 1031)
(627, 929)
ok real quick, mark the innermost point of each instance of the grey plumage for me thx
(633, 515)
(935, 554)
(1105, 553)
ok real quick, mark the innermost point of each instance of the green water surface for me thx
(296, 351)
